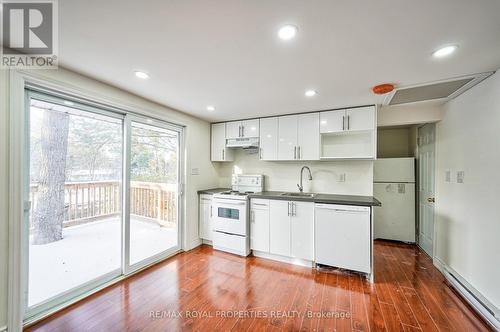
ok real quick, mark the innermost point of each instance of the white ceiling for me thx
(226, 52)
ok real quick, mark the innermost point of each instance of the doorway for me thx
(426, 186)
(104, 193)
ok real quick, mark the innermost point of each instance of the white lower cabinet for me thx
(291, 229)
(259, 225)
(205, 226)
(302, 230)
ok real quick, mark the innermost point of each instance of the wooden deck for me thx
(201, 290)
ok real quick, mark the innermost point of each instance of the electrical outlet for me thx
(460, 176)
(342, 177)
(447, 176)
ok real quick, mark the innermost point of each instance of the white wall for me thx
(468, 215)
(197, 137)
(4, 194)
(284, 175)
(408, 114)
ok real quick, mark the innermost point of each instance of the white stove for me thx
(230, 220)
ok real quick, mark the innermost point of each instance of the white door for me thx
(302, 227)
(250, 128)
(268, 139)
(426, 170)
(287, 137)
(259, 225)
(308, 136)
(206, 217)
(332, 121)
(279, 228)
(362, 118)
(233, 129)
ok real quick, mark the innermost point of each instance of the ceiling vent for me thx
(434, 91)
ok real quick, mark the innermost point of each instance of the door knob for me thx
(431, 200)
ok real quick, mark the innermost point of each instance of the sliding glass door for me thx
(104, 193)
(154, 191)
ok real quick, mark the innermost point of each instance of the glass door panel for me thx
(75, 189)
(154, 191)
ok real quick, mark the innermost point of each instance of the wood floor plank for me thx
(409, 294)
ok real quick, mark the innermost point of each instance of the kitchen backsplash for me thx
(284, 175)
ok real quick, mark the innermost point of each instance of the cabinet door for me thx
(268, 139)
(279, 228)
(302, 230)
(332, 121)
(233, 129)
(308, 136)
(362, 118)
(250, 128)
(259, 226)
(206, 217)
(287, 137)
(218, 143)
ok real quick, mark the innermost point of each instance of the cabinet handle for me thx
(294, 209)
(211, 211)
(260, 153)
(242, 131)
(294, 152)
(343, 122)
(289, 209)
(223, 154)
(299, 153)
(348, 122)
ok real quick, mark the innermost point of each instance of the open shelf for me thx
(348, 145)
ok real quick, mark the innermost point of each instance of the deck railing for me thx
(89, 201)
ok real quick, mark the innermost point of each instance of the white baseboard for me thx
(193, 244)
(489, 312)
(207, 242)
(283, 259)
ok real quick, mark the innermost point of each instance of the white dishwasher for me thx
(343, 236)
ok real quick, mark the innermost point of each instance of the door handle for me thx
(431, 200)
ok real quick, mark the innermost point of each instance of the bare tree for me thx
(49, 214)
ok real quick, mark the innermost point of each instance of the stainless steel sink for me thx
(308, 195)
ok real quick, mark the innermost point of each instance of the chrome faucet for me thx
(301, 187)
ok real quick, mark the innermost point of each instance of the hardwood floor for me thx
(207, 290)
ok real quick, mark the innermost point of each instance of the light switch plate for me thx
(195, 171)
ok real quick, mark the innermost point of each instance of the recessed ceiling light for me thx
(287, 32)
(311, 93)
(445, 51)
(141, 74)
(210, 108)
(69, 103)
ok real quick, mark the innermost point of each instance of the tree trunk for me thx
(49, 215)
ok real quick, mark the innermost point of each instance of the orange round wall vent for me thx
(383, 88)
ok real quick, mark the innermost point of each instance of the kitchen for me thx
(250, 166)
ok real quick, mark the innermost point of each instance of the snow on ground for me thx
(89, 251)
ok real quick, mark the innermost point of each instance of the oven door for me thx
(230, 216)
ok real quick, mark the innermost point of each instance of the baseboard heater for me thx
(480, 305)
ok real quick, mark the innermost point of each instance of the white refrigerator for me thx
(394, 187)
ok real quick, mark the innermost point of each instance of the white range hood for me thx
(247, 143)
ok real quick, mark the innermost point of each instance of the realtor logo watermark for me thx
(29, 34)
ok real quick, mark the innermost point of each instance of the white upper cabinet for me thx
(268, 139)
(242, 129)
(233, 129)
(362, 118)
(298, 137)
(332, 121)
(250, 128)
(219, 152)
(308, 136)
(287, 137)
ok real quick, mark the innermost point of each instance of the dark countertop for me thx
(321, 198)
(212, 191)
